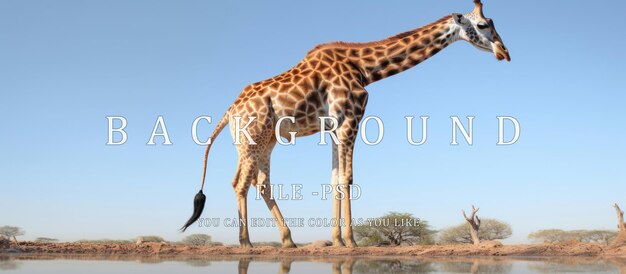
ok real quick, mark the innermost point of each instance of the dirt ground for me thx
(164, 249)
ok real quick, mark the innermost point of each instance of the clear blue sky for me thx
(66, 65)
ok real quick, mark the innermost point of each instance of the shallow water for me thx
(344, 265)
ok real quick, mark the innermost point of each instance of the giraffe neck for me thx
(379, 60)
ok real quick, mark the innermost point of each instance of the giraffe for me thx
(330, 81)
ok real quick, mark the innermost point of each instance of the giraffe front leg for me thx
(348, 107)
(345, 163)
(336, 225)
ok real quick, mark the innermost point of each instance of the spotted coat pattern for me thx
(329, 81)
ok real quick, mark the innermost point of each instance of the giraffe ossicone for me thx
(330, 82)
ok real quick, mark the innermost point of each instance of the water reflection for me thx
(581, 265)
(477, 265)
(394, 266)
(6, 263)
(198, 262)
(620, 263)
(338, 265)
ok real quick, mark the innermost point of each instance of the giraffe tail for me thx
(200, 199)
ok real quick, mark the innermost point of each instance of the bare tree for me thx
(11, 232)
(490, 229)
(620, 218)
(474, 224)
(620, 240)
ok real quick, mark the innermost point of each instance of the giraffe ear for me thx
(460, 19)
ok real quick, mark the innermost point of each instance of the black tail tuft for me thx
(198, 206)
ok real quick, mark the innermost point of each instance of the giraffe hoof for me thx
(245, 245)
(351, 243)
(338, 243)
(287, 241)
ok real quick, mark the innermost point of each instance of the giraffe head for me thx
(481, 32)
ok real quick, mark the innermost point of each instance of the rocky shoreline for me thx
(164, 249)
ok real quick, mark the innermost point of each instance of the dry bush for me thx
(620, 240)
(394, 229)
(151, 239)
(584, 236)
(197, 239)
(46, 240)
(4, 243)
(103, 241)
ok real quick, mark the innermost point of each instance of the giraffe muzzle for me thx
(501, 51)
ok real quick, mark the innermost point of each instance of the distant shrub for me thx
(215, 244)
(103, 241)
(585, 236)
(150, 239)
(394, 229)
(197, 239)
(46, 240)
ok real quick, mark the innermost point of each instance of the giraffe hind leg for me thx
(246, 172)
(263, 185)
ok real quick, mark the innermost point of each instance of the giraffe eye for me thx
(482, 25)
